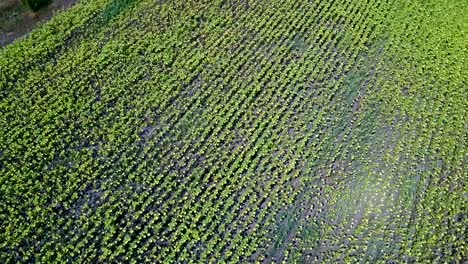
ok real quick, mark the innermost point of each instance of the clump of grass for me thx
(35, 5)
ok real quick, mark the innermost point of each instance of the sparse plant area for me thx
(19, 17)
(35, 5)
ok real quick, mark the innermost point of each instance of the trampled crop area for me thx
(142, 131)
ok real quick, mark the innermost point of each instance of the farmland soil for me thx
(16, 20)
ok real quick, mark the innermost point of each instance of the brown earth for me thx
(16, 20)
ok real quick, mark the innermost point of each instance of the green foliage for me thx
(199, 132)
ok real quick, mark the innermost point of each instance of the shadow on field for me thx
(115, 8)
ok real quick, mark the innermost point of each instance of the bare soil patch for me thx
(16, 20)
